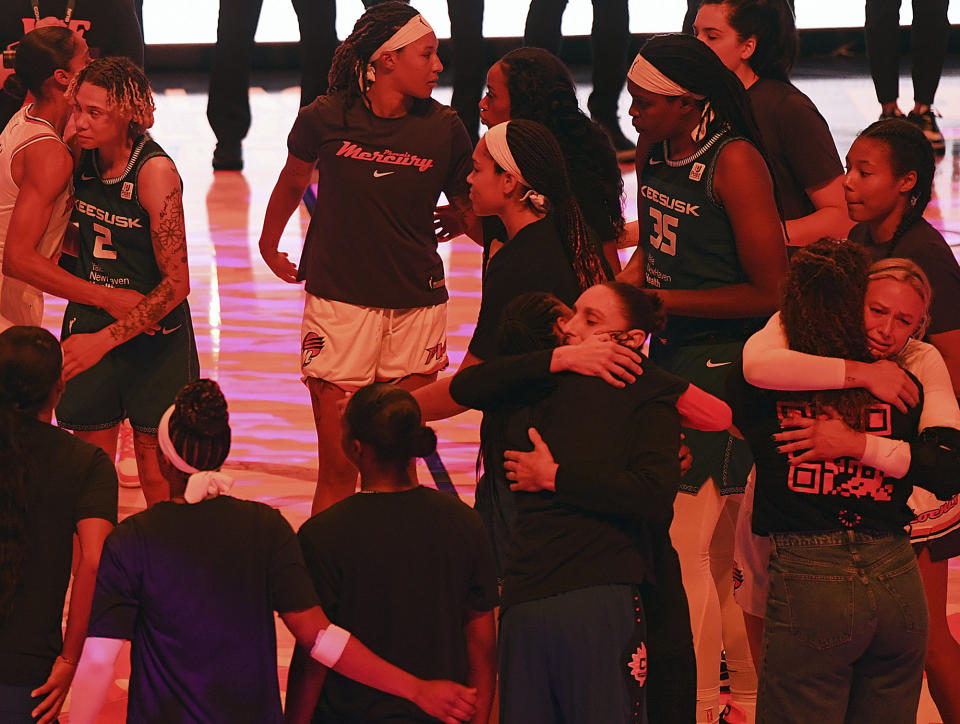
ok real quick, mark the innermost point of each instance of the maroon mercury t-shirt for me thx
(371, 240)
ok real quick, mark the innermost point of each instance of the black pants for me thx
(929, 34)
(611, 44)
(466, 43)
(228, 105)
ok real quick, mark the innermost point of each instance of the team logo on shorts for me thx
(436, 352)
(638, 664)
(312, 344)
(737, 576)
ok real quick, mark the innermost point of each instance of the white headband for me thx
(646, 75)
(201, 484)
(499, 150)
(415, 29)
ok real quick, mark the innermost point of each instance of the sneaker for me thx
(127, 472)
(228, 157)
(927, 122)
(625, 148)
(895, 113)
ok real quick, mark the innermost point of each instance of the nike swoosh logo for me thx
(84, 177)
(378, 174)
(70, 325)
(164, 330)
(653, 162)
(711, 363)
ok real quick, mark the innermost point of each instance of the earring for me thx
(913, 199)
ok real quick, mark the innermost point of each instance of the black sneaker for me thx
(625, 148)
(228, 157)
(927, 122)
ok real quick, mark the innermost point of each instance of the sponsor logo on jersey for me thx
(312, 344)
(126, 191)
(349, 149)
(676, 205)
(696, 173)
(123, 222)
(712, 364)
(381, 174)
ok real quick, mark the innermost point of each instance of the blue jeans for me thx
(845, 634)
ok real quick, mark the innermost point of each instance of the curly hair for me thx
(200, 425)
(348, 70)
(909, 150)
(388, 418)
(42, 52)
(541, 89)
(541, 163)
(30, 366)
(772, 24)
(128, 90)
(822, 314)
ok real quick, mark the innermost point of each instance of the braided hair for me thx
(822, 314)
(41, 52)
(541, 89)
(30, 366)
(387, 418)
(200, 425)
(772, 24)
(541, 163)
(128, 90)
(529, 323)
(909, 150)
(348, 70)
(691, 64)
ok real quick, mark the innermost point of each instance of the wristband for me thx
(329, 646)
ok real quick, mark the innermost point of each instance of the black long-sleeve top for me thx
(617, 478)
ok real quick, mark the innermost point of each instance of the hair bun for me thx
(423, 442)
(201, 409)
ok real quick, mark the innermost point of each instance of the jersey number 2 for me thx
(103, 248)
(664, 236)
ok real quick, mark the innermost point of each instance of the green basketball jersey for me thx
(687, 237)
(115, 248)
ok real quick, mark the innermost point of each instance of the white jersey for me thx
(19, 302)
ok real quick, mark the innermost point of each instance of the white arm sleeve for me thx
(770, 364)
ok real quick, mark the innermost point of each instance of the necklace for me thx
(71, 4)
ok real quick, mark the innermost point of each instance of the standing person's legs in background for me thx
(318, 43)
(736, 647)
(695, 520)
(611, 47)
(543, 24)
(466, 35)
(929, 35)
(882, 31)
(943, 651)
(228, 105)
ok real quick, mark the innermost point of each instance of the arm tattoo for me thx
(170, 249)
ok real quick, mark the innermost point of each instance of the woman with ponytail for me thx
(757, 40)
(198, 578)
(534, 84)
(712, 245)
(52, 485)
(888, 185)
(376, 293)
(405, 567)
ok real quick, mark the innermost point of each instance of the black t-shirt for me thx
(819, 496)
(194, 587)
(797, 140)
(924, 245)
(371, 240)
(400, 571)
(617, 478)
(533, 261)
(67, 480)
